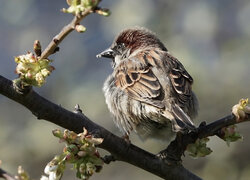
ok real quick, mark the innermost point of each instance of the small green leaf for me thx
(199, 148)
(230, 134)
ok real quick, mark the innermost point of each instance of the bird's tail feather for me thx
(182, 120)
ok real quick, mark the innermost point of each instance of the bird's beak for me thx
(108, 53)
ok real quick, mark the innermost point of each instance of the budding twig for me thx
(50, 49)
(177, 147)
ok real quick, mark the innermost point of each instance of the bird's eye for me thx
(120, 45)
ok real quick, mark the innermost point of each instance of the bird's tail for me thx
(181, 120)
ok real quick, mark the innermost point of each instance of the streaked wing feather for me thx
(180, 79)
(182, 83)
(140, 83)
(179, 114)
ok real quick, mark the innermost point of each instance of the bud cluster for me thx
(229, 134)
(78, 6)
(199, 148)
(33, 71)
(80, 151)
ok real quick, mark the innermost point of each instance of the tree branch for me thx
(120, 149)
(177, 147)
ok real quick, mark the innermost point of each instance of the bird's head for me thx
(129, 41)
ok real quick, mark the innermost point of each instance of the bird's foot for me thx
(162, 154)
(168, 158)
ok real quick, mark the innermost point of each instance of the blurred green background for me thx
(210, 37)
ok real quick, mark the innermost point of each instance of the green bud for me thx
(72, 148)
(69, 2)
(37, 48)
(229, 134)
(90, 3)
(90, 168)
(80, 28)
(82, 168)
(39, 79)
(103, 12)
(84, 146)
(71, 10)
(199, 148)
(81, 153)
(95, 141)
(57, 133)
(45, 72)
(96, 161)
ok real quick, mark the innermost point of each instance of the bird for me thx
(149, 91)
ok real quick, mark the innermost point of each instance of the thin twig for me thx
(50, 49)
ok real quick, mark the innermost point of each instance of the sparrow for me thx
(149, 91)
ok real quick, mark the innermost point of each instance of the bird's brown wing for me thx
(182, 83)
(139, 82)
(180, 79)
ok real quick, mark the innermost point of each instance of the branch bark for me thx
(120, 149)
(178, 146)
